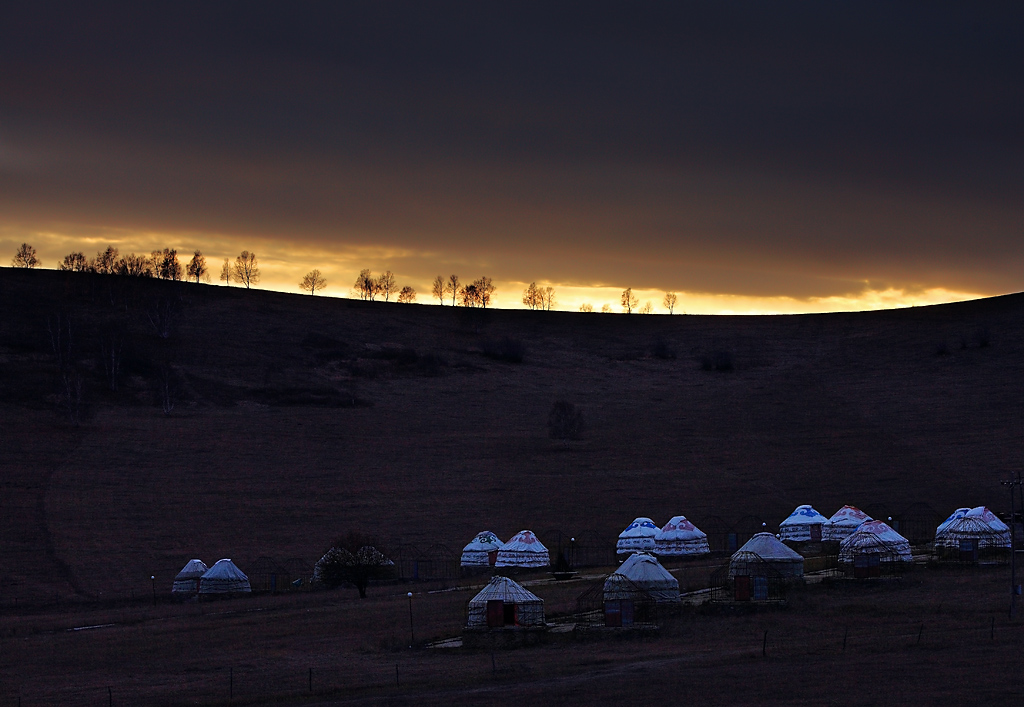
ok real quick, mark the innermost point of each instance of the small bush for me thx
(565, 421)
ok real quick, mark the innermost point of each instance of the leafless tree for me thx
(586, 307)
(135, 266)
(74, 262)
(670, 301)
(441, 289)
(69, 380)
(628, 300)
(386, 285)
(106, 261)
(366, 285)
(407, 295)
(353, 558)
(166, 389)
(197, 269)
(647, 308)
(162, 312)
(453, 287)
(606, 308)
(111, 346)
(547, 298)
(247, 269)
(25, 257)
(531, 296)
(166, 265)
(469, 296)
(313, 281)
(484, 290)
(226, 273)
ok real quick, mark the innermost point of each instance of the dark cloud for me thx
(748, 148)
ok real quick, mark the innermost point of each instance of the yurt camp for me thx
(482, 551)
(637, 537)
(503, 613)
(523, 550)
(680, 538)
(874, 549)
(842, 523)
(186, 582)
(224, 578)
(803, 525)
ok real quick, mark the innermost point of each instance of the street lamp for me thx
(1014, 589)
(152, 578)
(412, 632)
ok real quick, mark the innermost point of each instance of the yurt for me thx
(644, 574)
(843, 522)
(992, 520)
(872, 543)
(224, 578)
(523, 550)
(502, 603)
(956, 515)
(482, 551)
(638, 537)
(767, 549)
(680, 537)
(803, 525)
(965, 538)
(187, 581)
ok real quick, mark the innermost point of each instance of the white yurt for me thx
(224, 578)
(482, 551)
(523, 550)
(680, 537)
(638, 537)
(803, 525)
(968, 533)
(766, 549)
(503, 602)
(875, 537)
(992, 520)
(187, 581)
(642, 571)
(955, 515)
(843, 522)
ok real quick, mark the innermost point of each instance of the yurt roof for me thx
(967, 526)
(485, 541)
(958, 513)
(640, 528)
(644, 568)
(849, 516)
(225, 569)
(988, 517)
(193, 569)
(879, 528)
(679, 529)
(804, 515)
(769, 547)
(524, 541)
(506, 590)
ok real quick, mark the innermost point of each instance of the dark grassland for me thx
(296, 418)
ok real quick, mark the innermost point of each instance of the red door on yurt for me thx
(495, 613)
(742, 590)
(492, 557)
(627, 612)
(613, 613)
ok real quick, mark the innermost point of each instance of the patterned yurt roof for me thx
(804, 515)
(506, 590)
(849, 516)
(770, 548)
(955, 515)
(524, 541)
(523, 550)
(875, 537)
(640, 528)
(987, 516)
(679, 529)
(485, 541)
(193, 569)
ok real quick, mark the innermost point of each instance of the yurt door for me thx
(495, 613)
(969, 550)
(613, 613)
(742, 591)
(815, 533)
(627, 612)
(492, 557)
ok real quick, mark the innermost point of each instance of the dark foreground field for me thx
(292, 419)
(934, 637)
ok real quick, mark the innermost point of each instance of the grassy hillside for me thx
(294, 418)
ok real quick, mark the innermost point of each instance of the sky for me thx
(752, 157)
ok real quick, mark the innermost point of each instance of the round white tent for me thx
(187, 581)
(875, 537)
(767, 549)
(643, 572)
(968, 533)
(637, 537)
(504, 602)
(482, 551)
(843, 522)
(224, 578)
(1001, 529)
(680, 537)
(803, 525)
(523, 550)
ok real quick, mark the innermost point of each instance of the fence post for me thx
(919, 632)
(110, 697)
(764, 645)
(992, 630)
(846, 633)
(310, 679)
(231, 683)
(397, 683)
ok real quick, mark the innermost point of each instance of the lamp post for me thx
(412, 632)
(152, 579)
(1010, 485)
